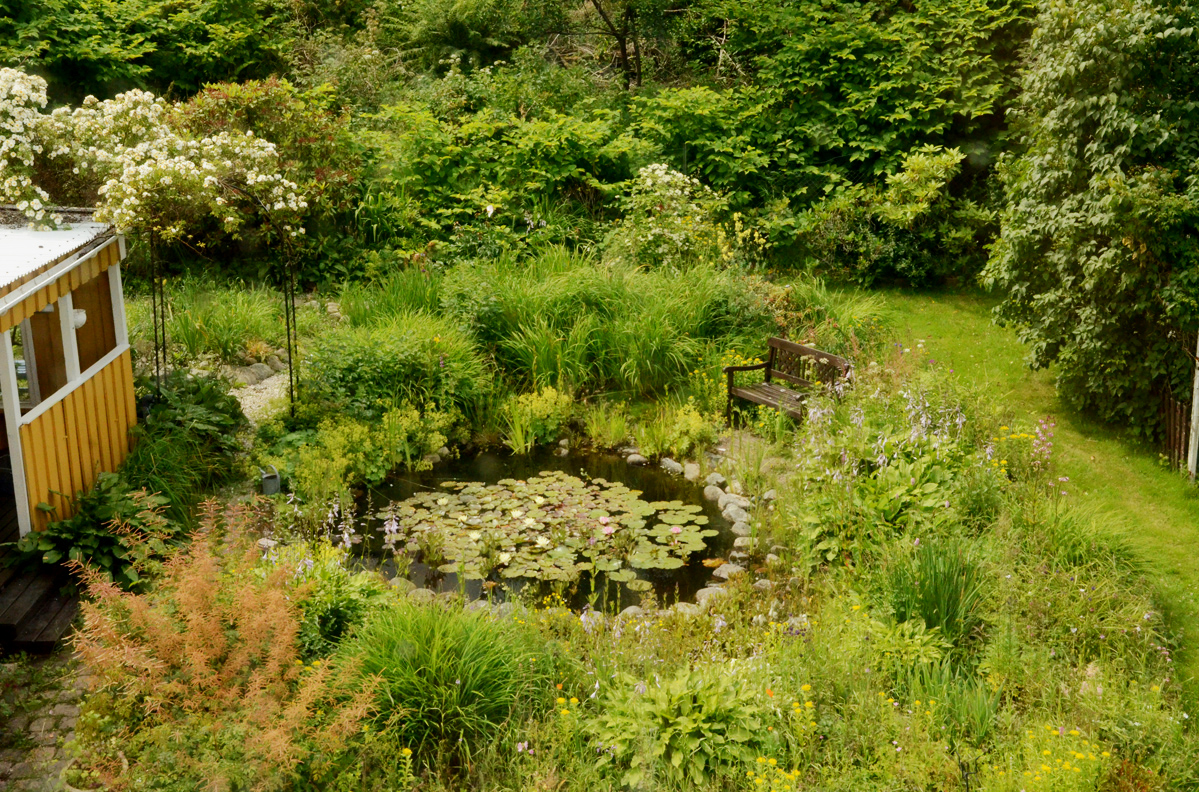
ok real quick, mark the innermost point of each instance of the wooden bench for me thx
(794, 364)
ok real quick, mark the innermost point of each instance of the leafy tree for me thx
(467, 33)
(1097, 251)
(848, 89)
(102, 47)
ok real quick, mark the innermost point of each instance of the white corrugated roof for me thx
(23, 250)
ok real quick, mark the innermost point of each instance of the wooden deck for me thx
(35, 614)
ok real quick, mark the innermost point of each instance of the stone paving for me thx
(39, 737)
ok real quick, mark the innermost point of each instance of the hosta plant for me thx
(681, 731)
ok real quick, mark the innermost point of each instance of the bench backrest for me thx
(802, 365)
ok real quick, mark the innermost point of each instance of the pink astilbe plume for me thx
(212, 652)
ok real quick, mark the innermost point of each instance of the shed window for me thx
(97, 336)
(42, 351)
(27, 390)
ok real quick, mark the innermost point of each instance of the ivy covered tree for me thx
(1097, 253)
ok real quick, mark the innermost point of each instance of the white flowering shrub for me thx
(22, 98)
(148, 174)
(669, 220)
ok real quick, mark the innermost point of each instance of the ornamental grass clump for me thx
(446, 681)
(562, 319)
(944, 586)
(207, 319)
(413, 357)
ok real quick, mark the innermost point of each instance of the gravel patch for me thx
(267, 398)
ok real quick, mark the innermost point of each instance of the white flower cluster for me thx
(151, 176)
(668, 218)
(21, 99)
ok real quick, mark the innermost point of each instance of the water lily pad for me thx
(552, 527)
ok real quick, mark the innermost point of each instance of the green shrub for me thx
(1098, 228)
(688, 728)
(670, 220)
(332, 600)
(117, 531)
(318, 153)
(447, 681)
(978, 496)
(534, 418)
(410, 357)
(186, 444)
(469, 33)
(322, 465)
(912, 229)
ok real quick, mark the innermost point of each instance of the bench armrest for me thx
(731, 373)
(731, 369)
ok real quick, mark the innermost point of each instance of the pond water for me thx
(566, 523)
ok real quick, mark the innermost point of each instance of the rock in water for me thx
(636, 459)
(691, 471)
(713, 493)
(728, 570)
(735, 514)
(714, 480)
(670, 466)
(729, 497)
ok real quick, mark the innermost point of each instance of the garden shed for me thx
(65, 371)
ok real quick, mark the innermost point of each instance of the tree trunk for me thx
(621, 35)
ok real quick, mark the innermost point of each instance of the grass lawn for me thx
(1155, 507)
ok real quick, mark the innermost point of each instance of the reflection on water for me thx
(489, 468)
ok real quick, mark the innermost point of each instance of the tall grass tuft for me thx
(447, 681)
(561, 319)
(223, 320)
(517, 431)
(607, 424)
(944, 586)
(968, 709)
(406, 291)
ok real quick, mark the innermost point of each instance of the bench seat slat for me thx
(771, 395)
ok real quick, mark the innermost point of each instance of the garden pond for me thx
(589, 526)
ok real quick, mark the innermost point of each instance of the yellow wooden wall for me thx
(69, 445)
